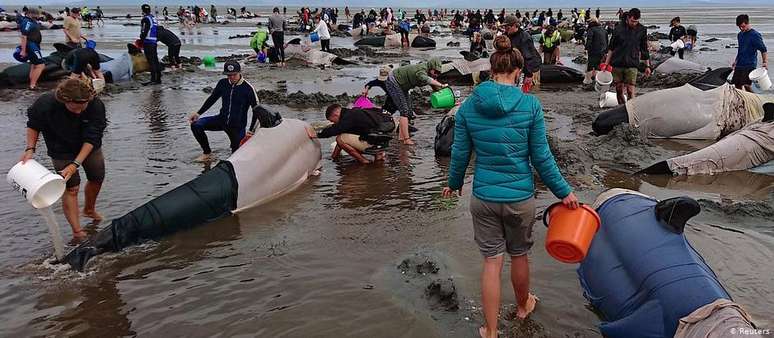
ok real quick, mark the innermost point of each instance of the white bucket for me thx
(679, 44)
(38, 185)
(608, 100)
(603, 81)
(98, 84)
(761, 77)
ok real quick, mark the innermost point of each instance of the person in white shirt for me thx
(325, 35)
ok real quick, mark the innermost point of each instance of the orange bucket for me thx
(570, 231)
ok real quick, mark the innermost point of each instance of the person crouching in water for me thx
(353, 127)
(401, 81)
(237, 95)
(72, 121)
(505, 128)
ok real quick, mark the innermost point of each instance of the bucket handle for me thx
(548, 210)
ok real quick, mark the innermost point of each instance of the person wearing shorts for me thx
(350, 126)
(628, 45)
(750, 43)
(30, 45)
(506, 130)
(72, 121)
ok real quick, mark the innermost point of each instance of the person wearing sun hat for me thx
(237, 96)
(72, 121)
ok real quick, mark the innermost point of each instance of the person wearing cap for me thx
(29, 28)
(522, 41)
(72, 28)
(72, 121)
(405, 78)
(549, 45)
(84, 62)
(627, 46)
(237, 96)
(384, 73)
(149, 37)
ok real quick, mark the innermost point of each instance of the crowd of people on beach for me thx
(500, 121)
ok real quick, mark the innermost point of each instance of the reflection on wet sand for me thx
(732, 185)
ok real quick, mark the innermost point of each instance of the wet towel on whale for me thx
(467, 67)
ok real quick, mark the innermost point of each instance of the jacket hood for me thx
(495, 100)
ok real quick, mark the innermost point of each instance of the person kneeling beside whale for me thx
(358, 131)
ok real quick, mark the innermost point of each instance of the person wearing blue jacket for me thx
(750, 43)
(237, 96)
(149, 29)
(505, 129)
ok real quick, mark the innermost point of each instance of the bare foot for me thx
(205, 158)
(380, 156)
(523, 313)
(482, 331)
(93, 214)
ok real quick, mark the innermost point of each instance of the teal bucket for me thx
(442, 99)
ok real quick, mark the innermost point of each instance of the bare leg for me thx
(35, 73)
(336, 151)
(490, 293)
(619, 91)
(70, 208)
(525, 302)
(630, 91)
(379, 156)
(90, 209)
(352, 151)
(403, 130)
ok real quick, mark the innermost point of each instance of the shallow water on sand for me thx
(322, 261)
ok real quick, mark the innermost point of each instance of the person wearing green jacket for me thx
(401, 81)
(505, 128)
(258, 42)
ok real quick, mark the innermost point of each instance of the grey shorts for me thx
(503, 227)
(94, 166)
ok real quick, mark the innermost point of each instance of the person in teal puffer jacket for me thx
(506, 130)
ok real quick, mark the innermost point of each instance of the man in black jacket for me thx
(237, 96)
(628, 45)
(676, 33)
(596, 47)
(72, 121)
(353, 127)
(522, 41)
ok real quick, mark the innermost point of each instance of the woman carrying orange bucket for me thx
(505, 127)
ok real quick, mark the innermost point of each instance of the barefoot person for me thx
(29, 27)
(236, 95)
(352, 128)
(72, 121)
(505, 128)
(750, 43)
(405, 78)
(628, 45)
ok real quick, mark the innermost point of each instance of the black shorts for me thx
(94, 166)
(741, 77)
(34, 55)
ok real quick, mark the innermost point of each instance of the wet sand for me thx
(359, 250)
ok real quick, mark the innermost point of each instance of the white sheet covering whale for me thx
(273, 162)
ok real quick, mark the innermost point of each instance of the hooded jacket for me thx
(506, 130)
(596, 40)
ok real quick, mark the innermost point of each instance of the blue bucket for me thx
(17, 55)
(314, 37)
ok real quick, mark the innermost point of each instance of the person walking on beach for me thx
(30, 37)
(401, 81)
(677, 33)
(322, 31)
(596, 47)
(72, 121)
(149, 38)
(750, 43)
(72, 28)
(277, 26)
(213, 14)
(522, 41)
(237, 96)
(628, 45)
(506, 130)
